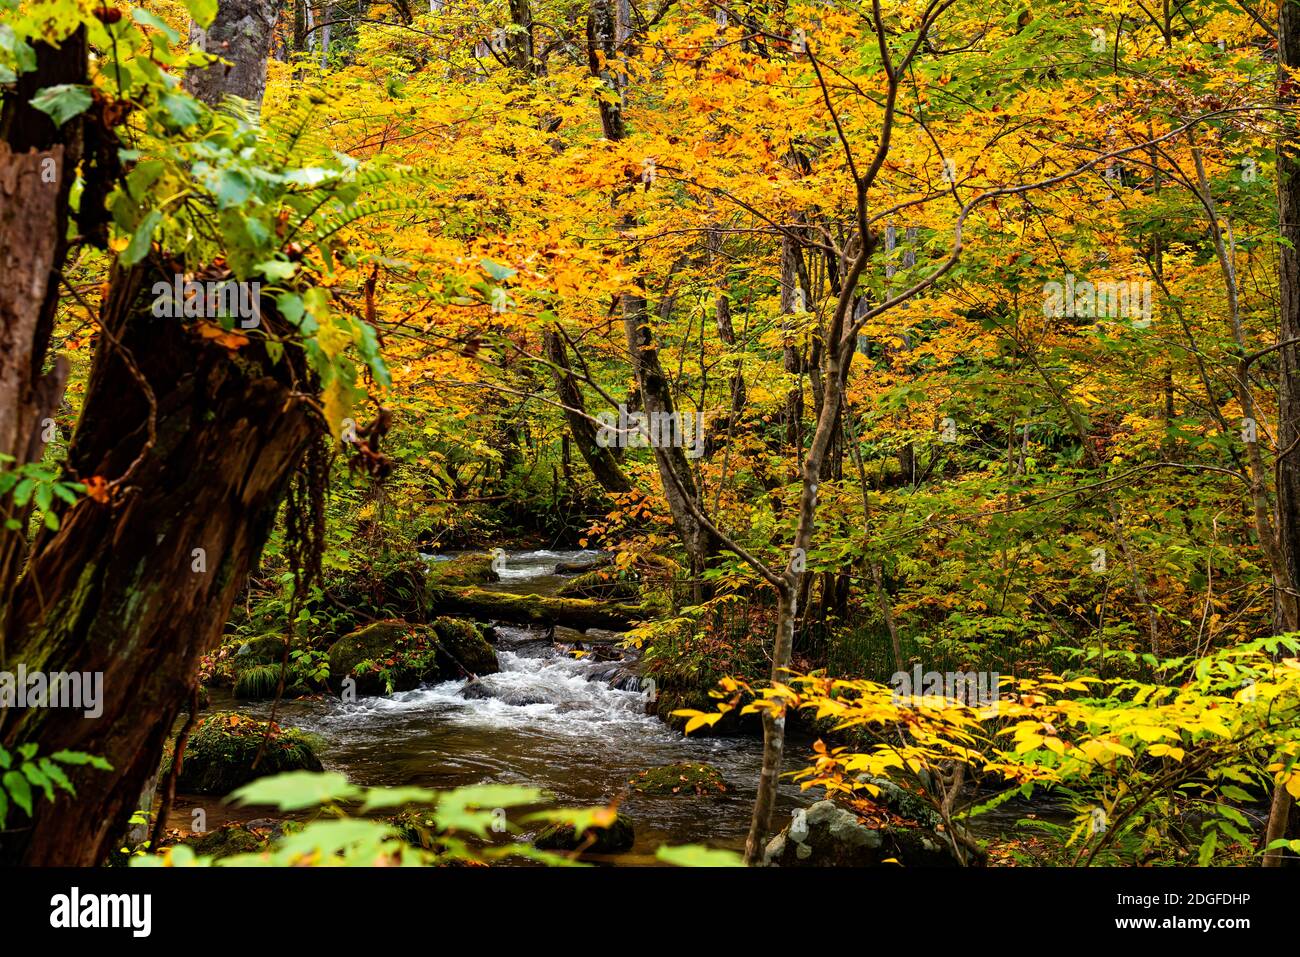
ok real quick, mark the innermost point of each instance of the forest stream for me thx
(550, 721)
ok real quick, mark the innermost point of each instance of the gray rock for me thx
(827, 835)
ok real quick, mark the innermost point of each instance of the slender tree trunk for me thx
(602, 461)
(1288, 425)
(601, 53)
(521, 38)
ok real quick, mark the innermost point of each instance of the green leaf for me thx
(184, 110)
(158, 23)
(697, 855)
(23, 55)
(496, 270)
(139, 245)
(55, 774)
(203, 11)
(276, 269)
(38, 778)
(233, 187)
(296, 790)
(19, 790)
(63, 102)
(78, 757)
(1208, 847)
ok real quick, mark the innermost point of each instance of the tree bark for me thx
(240, 34)
(121, 588)
(1287, 541)
(38, 164)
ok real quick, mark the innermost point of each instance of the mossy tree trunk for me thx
(138, 585)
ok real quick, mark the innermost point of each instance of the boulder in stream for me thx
(471, 569)
(221, 749)
(686, 778)
(226, 841)
(396, 655)
(827, 835)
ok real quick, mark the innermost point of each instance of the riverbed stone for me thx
(827, 835)
(613, 839)
(472, 569)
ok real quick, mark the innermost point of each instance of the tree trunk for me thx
(602, 461)
(601, 52)
(38, 164)
(241, 34)
(674, 467)
(1288, 420)
(195, 451)
(139, 587)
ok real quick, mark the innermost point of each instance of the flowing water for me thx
(547, 720)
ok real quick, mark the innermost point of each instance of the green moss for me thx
(614, 839)
(261, 650)
(462, 571)
(220, 753)
(680, 779)
(396, 655)
(463, 646)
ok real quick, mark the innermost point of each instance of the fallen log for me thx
(577, 613)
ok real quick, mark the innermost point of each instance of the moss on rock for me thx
(220, 753)
(462, 571)
(396, 655)
(684, 778)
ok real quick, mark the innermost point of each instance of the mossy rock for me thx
(463, 646)
(614, 839)
(221, 749)
(263, 650)
(684, 778)
(601, 585)
(396, 655)
(226, 841)
(827, 835)
(462, 571)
